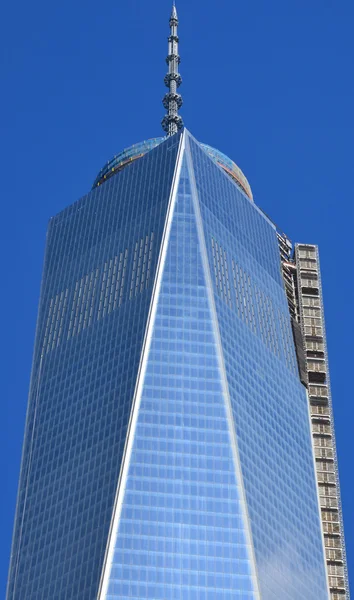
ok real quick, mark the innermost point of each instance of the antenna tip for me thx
(174, 12)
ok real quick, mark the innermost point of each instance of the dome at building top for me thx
(230, 168)
(125, 158)
(133, 153)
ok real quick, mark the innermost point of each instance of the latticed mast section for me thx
(172, 101)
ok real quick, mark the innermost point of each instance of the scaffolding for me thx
(302, 280)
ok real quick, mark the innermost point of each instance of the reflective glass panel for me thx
(100, 264)
(269, 403)
(182, 531)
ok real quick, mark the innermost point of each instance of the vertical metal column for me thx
(309, 291)
(302, 280)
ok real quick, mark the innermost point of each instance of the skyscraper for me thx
(168, 448)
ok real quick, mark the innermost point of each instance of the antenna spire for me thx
(172, 101)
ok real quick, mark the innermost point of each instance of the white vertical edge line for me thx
(108, 559)
(28, 434)
(230, 418)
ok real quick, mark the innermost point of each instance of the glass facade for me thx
(182, 528)
(99, 270)
(269, 403)
(168, 450)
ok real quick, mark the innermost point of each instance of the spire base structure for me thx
(172, 124)
(172, 101)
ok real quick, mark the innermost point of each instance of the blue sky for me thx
(268, 83)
